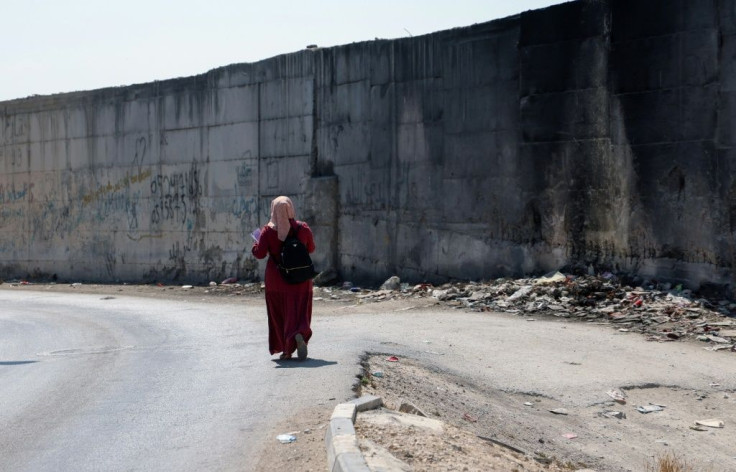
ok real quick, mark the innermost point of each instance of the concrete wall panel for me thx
(46, 156)
(286, 137)
(632, 19)
(541, 71)
(284, 175)
(347, 144)
(234, 105)
(46, 126)
(233, 142)
(76, 122)
(289, 98)
(15, 158)
(137, 116)
(185, 110)
(726, 13)
(727, 119)
(182, 146)
(727, 76)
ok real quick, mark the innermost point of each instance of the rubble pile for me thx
(233, 288)
(659, 311)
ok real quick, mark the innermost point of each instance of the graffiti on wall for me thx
(141, 145)
(121, 184)
(242, 207)
(126, 181)
(6, 214)
(114, 204)
(9, 193)
(245, 175)
(16, 128)
(366, 193)
(13, 154)
(176, 196)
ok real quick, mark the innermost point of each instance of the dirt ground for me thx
(580, 439)
(480, 430)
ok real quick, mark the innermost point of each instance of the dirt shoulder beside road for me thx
(595, 436)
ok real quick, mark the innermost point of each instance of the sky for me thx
(54, 46)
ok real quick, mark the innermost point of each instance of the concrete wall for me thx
(589, 133)
(161, 181)
(423, 135)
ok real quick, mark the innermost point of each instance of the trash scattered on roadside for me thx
(355, 289)
(528, 404)
(213, 284)
(229, 280)
(559, 411)
(408, 407)
(649, 409)
(570, 435)
(619, 415)
(617, 395)
(377, 374)
(469, 418)
(720, 347)
(520, 293)
(393, 283)
(551, 279)
(75, 284)
(187, 287)
(698, 428)
(657, 310)
(392, 359)
(712, 423)
(286, 438)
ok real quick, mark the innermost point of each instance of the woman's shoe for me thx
(301, 347)
(285, 357)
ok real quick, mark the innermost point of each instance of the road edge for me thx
(341, 442)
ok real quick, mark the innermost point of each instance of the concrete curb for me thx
(343, 454)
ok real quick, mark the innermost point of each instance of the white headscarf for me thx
(282, 210)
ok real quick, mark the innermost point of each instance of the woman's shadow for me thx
(308, 363)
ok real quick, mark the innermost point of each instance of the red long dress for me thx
(289, 306)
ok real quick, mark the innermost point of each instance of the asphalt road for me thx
(142, 384)
(89, 382)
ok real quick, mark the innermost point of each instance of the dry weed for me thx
(670, 462)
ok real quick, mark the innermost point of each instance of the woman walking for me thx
(289, 306)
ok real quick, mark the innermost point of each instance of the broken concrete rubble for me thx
(393, 283)
(660, 312)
